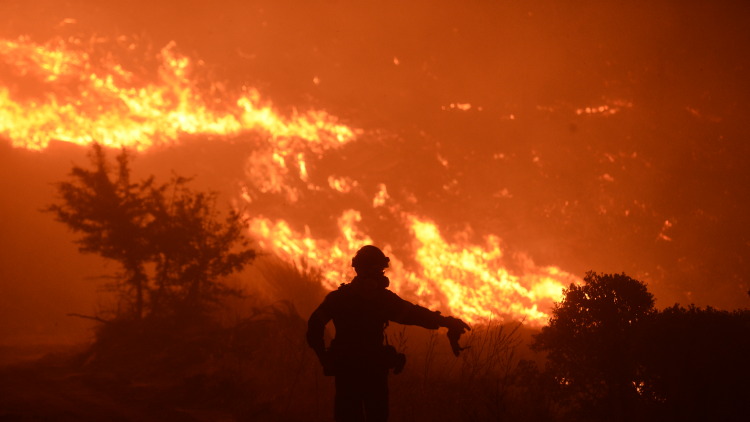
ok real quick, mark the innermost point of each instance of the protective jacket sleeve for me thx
(405, 312)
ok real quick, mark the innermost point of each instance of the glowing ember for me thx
(341, 184)
(612, 107)
(460, 106)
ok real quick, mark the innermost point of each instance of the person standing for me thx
(357, 357)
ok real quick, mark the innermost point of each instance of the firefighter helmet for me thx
(370, 256)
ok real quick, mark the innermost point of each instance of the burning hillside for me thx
(492, 159)
(80, 100)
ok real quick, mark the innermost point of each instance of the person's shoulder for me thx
(331, 300)
(341, 291)
(390, 295)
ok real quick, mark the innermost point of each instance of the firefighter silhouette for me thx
(357, 357)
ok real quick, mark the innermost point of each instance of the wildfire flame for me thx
(83, 98)
(107, 104)
(461, 278)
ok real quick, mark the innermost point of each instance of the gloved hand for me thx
(456, 327)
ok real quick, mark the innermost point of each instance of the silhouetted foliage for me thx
(539, 394)
(695, 364)
(613, 357)
(590, 341)
(168, 228)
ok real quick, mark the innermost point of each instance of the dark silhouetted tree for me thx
(146, 225)
(590, 344)
(193, 248)
(111, 215)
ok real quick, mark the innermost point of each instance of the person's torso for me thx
(360, 316)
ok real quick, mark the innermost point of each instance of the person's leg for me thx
(376, 397)
(348, 400)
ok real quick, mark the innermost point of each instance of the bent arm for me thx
(316, 327)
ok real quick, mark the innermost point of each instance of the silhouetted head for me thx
(370, 260)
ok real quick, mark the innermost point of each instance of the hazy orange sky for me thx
(606, 136)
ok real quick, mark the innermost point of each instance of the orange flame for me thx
(459, 278)
(332, 257)
(475, 281)
(109, 106)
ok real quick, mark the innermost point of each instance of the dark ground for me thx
(53, 389)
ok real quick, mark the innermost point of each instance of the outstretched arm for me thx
(405, 312)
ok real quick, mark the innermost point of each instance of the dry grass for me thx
(250, 362)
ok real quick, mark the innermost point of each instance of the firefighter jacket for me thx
(360, 312)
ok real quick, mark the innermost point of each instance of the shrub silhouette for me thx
(167, 227)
